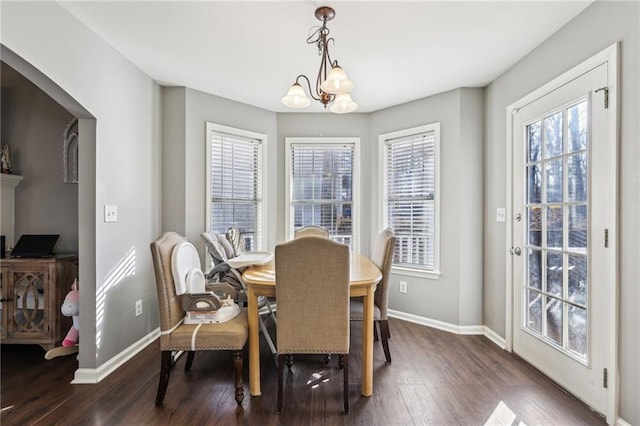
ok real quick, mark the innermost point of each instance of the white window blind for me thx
(410, 199)
(322, 188)
(236, 186)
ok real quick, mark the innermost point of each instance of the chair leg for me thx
(189, 362)
(384, 332)
(166, 363)
(237, 363)
(375, 331)
(344, 359)
(281, 359)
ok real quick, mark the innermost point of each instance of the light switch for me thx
(110, 213)
(500, 215)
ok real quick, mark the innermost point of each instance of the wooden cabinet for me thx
(32, 291)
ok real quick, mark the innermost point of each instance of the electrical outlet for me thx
(500, 214)
(403, 286)
(138, 307)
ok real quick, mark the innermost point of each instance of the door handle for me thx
(516, 251)
(8, 299)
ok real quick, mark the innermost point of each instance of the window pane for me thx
(577, 127)
(553, 176)
(554, 319)
(578, 228)
(534, 311)
(554, 274)
(577, 176)
(535, 269)
(322, 192)
(410, 198)
(577, 332)
(535, 226)
(578, 280)
(534, 146)
(535, 184)
(554, 226)
(236, 186)
(553, 135)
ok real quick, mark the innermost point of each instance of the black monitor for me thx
(33, 246)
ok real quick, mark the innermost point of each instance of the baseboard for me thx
(440, 325)
(495, 337)
(451, 328)
(95, 375)
(620, 422)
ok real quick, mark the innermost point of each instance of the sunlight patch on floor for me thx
(503, 416)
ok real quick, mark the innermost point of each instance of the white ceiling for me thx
(394, 52)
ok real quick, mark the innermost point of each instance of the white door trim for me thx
(610, 56)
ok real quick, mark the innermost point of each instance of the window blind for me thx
(236, 186)
(321, 188)
(410, 198)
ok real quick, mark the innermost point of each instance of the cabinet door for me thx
(28, 311)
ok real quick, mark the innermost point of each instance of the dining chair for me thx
(175, 336)
(383, 258)
(312, 283)
(311, 230)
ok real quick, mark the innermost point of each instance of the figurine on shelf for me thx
(5, 159)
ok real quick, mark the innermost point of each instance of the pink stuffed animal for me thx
(71, 308)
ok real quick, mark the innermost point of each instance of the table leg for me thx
(367, 344)
(254, 344)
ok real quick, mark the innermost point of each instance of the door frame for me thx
(610, 55)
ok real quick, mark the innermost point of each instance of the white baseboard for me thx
(452, 328)
(95, 375)
(440, 325)
(620, 422)
(495, 337)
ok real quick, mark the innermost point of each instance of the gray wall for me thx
(33, 125)
(119, 164)
(596, 28)
(185, 114)
(455, 297)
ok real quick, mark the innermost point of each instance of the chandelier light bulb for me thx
(336, 82)
(343, 104)
(296, 98)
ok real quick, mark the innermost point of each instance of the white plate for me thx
(250, 258)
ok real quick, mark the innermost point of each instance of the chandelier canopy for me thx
(332, 85)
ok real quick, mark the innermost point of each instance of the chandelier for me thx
(332, 85)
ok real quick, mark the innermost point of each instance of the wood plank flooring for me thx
(436, 378)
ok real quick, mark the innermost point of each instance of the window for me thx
(234, 183)
(321, 188)
(410, 161)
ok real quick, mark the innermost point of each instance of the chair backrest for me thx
(311, 230)
(312, 290)
(218, 247)
(169, 303)
(383, 258)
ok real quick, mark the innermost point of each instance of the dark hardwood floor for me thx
(436, 378)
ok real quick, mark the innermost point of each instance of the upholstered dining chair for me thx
(177, 336)
(383, 258)
(312, 281)
(311, 230)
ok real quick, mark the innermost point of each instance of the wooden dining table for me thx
(261, 281)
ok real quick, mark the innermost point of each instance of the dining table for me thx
(260, 280)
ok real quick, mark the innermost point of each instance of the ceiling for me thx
(394, 52)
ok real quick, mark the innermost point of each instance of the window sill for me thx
(412, 272)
